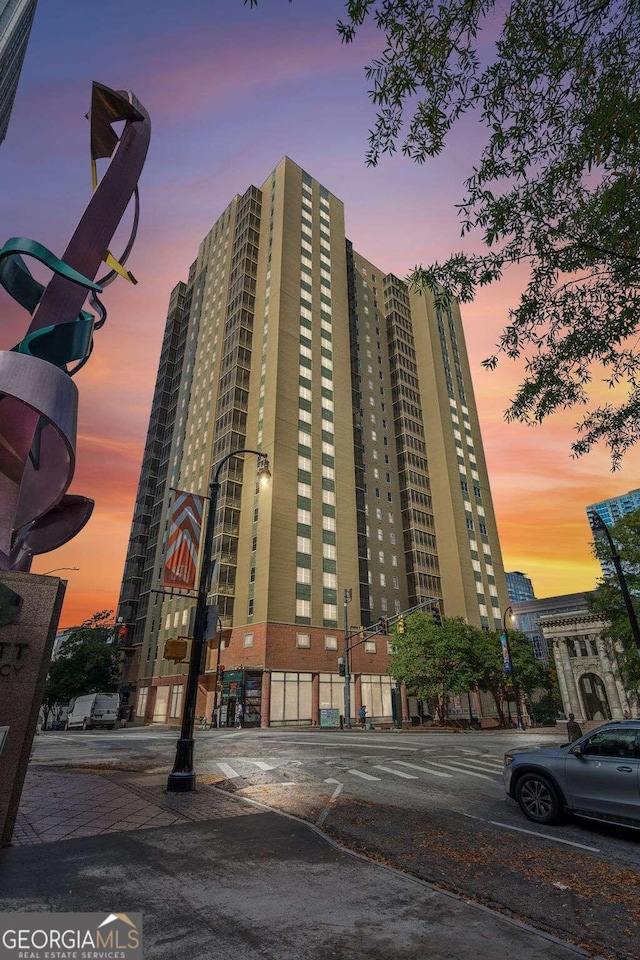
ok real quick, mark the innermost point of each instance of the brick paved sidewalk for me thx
(60, 805)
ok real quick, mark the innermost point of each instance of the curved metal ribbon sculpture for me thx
(38, 398)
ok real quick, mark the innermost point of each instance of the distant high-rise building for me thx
(611, 511)
(615, 508)
(519, 587)
(16, 17)
(285, 339)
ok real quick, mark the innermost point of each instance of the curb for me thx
(549, 937)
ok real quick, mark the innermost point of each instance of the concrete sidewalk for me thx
(260, 886)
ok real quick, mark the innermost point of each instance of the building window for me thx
(303, 640)
(303, 575)
(175, 709)
(329, 611)
(248, 640)
(303, 608)
(369, 646)
(141, 704)
(331, 643)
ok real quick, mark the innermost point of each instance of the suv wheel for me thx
(538, 798)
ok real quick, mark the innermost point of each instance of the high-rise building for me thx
(286, 340)
(16, 17)
(615, 508)
(519, 586)
(611, 511)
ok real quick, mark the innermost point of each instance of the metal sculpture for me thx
(38, 398)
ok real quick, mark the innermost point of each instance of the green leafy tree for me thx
(607, 602)
(491, 677)
(87, 662)
(545, 704)
(434, 661)
(556, 86)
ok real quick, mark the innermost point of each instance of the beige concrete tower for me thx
(360, 394)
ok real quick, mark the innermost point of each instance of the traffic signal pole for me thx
(366, 633)
(347, 597)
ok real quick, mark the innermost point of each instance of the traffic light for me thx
(176, 649)
(436, 617)
(361, 634)
(341, 669)
(400, 627)
(384, 625)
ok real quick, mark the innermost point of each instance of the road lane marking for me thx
(262, 765)
(414, 766)
(228, 771)
(340, 743)
(533, 833)
(457, 769)
(545, 836)
(477, 764)
(364, 776)
(396, 773)
(334, 796)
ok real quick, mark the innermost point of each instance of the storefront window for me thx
(376, 694)
(290, 697)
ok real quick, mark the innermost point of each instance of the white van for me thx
(93, 710)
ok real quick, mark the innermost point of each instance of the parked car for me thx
(93, 710)
(597, 776)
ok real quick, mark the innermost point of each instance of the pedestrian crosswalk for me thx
(371, 770)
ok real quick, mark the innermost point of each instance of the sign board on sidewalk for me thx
(26, 642)
(329, 718)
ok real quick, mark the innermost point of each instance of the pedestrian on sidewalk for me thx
(362, 714)
(574, 730)
(239, 714)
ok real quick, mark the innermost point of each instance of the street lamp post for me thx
(182, 778)
(598, 523)
(508, 665)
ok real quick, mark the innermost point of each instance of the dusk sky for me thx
(230, 91)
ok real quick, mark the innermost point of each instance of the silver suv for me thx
(597, 776)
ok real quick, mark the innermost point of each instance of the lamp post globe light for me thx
(597, 523)
(508, 665)
(182, 778)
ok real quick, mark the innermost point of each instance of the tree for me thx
(434, 660)
(87, 662)
(556, 86)
(491, 677)
(606, 601)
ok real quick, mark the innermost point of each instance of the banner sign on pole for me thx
(505, 653)
(185, 526)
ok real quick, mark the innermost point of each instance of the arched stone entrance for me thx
(594, 697)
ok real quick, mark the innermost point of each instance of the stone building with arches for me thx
(587, 664)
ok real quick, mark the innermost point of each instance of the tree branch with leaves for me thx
(555, 84)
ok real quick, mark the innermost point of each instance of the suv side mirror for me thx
(577, 751)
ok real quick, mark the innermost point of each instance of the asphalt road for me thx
(429, 803)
